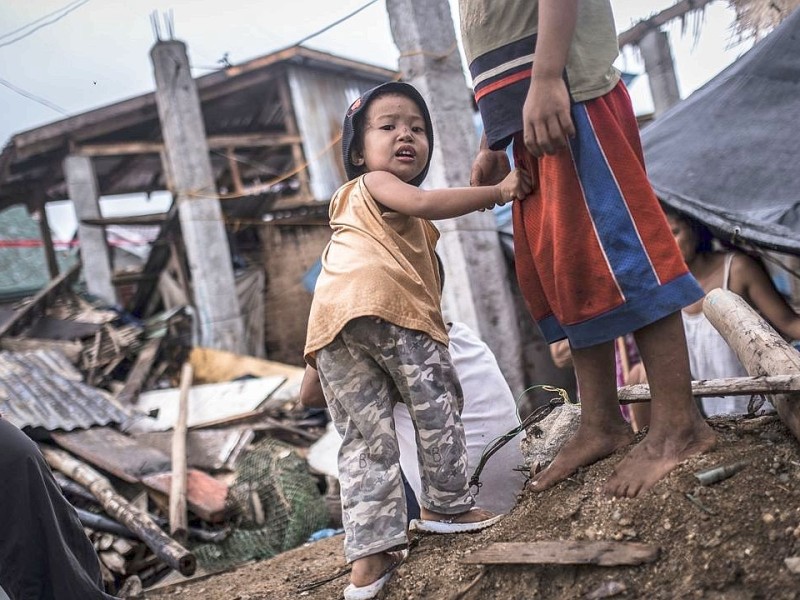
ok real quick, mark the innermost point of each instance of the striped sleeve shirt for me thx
(499, 41)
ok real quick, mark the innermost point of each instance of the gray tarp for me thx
(728, 154)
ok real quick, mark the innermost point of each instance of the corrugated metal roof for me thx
(41, 388)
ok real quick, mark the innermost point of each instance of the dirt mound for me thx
(728, 540)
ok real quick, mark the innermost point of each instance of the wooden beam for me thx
(178, 518)
(167, 549)
(734, 386)
(40, 302)
(246, 140)
(760, 349)
(139, 372)
(563, 552)
(638, 31)
(151, 219)
(233, 168)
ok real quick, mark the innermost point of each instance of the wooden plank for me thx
(205, 495)
(679, 9)
(211, 403)
(40, 301)
(62, 329)
(760, 349)
(206, 449)
(149, 219)
(215, 142)
(212, 366)
(733, 386)
(114, 452)
(139, 371)
(178, 519)
(118, 507)
(564, 552)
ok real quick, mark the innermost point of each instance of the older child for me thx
(377, 337)
(594, 255)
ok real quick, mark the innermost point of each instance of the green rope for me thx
(536, 416)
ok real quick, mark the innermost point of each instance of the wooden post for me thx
(189, 171)
(477, 289)
(760, 349)
(47, 239)
(167, 549)
(178, 518)
(96, 257)
(660, 68)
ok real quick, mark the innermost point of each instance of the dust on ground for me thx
(730, 543)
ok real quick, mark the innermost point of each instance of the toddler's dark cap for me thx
(360, 105)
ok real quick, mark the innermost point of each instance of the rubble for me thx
(96, 388)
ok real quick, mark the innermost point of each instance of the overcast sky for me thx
(98, 53)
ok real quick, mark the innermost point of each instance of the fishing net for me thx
(278, 505)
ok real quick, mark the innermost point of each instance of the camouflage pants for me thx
(370, 366)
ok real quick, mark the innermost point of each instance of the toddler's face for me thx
(394, 138)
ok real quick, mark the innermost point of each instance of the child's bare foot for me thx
(655, 456)
(586, 446)
(369, 569)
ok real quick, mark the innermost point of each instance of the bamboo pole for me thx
(178, 519)
(733, 386)
(167, 549)
(760, 349)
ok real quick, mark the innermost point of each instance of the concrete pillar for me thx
(199, 211)
(477, 289)
(657, 56)
(83, 191)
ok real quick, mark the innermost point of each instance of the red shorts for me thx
(595, 257)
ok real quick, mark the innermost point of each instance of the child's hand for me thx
(516, 186)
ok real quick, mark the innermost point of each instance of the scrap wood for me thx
(260, 422)
(103, 524)
(205, 496)
(760, 349)
(206, 449)
(214, 366)
(50, 328)
(212, 403)
(115, 452)
(178, 519)
(36, 307)
(564, 552)
(137, 376)
(732, 386)
(167, 549)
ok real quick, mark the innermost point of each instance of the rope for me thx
(536, 416)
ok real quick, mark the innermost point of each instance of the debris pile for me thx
(101, 392)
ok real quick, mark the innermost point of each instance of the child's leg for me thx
(677, 430)
(602, 429)
(361, 397)
(428, 384)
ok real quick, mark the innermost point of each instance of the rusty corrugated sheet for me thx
(43, 389)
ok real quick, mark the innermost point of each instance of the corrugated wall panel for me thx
(320, 101)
